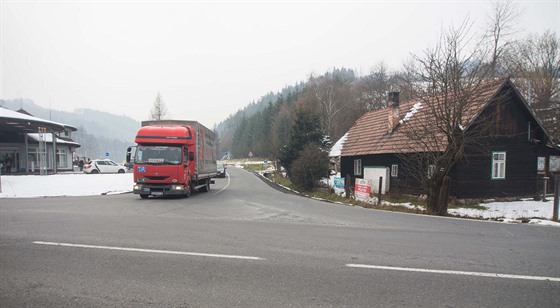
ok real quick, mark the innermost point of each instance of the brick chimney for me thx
(393, 110)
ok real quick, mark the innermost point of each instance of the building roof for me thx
(48, 139)
(370, 133)
(13, 121)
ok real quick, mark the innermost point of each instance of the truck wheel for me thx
(206, 188)
(189, 190)
(143, 196)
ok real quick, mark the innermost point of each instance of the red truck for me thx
(173, 158)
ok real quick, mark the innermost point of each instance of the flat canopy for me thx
(16, 122)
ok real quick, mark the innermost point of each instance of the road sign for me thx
(106, 154)
(250, 154)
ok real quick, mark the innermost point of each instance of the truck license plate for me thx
(157, 193)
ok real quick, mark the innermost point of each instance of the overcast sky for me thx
(210, 59)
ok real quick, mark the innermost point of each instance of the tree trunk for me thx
(433, 200)
(443, 196)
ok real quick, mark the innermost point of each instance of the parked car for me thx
(129, 165)
(221, 170)
(103, 166)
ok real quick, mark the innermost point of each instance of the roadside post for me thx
(379, 191)
(544, 189)
(556, 203)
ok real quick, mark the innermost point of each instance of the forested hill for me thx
(98, 132)
(338, 96)
(227, 129)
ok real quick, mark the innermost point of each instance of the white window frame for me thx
(498, 165)
(394, 171)
(431, 171)
(541, 164)
(357, 167)
(62, 156)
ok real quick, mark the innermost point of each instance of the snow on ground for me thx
(75, 184)
(80, 184)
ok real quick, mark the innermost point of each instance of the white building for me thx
(33, 145)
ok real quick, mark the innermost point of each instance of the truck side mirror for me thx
(191, 156)
(128, 154)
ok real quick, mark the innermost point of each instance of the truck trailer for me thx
(173, 158)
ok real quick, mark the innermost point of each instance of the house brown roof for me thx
(371, 135)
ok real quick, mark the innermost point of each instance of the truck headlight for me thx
(137, 187)
(177, 187)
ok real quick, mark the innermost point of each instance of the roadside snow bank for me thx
(32, 186)
(511, 210)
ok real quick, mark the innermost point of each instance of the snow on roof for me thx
(412, 111)
(48, 138)
(7, 113)
(337, 147)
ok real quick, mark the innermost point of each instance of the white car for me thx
(103, 166)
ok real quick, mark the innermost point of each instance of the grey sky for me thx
(209, 59)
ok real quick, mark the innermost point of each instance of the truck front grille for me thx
(156, 178)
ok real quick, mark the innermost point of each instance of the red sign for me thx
(362, 189)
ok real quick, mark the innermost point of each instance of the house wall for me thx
(403, 183)
(513, 130)
(472, 176)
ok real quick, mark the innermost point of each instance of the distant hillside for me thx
(98, 132)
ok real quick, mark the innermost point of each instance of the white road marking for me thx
(219, 191)
(197, 254)
(479, 274)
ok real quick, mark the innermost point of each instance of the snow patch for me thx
(336, 150)
(412, 112)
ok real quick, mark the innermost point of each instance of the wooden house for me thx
(510, 159)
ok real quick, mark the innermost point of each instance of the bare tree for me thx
(332, 96)
(331, 92)
(535, 63)
(445, 80)
(371, 90)
(502, 25)
(159, 110)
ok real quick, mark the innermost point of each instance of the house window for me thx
(61, 158)
(357, 167)
(554, 164)
(431, 171)
(394, 171)
(498, 165)
(33, 156)
(541, 163)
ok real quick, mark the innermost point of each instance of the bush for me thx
(311, 166)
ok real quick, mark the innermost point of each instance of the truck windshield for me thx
(158, 155)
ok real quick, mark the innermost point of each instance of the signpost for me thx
(338, 185)
(362, 189)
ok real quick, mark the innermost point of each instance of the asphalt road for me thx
(245, 244)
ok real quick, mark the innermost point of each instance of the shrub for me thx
(311, 166)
